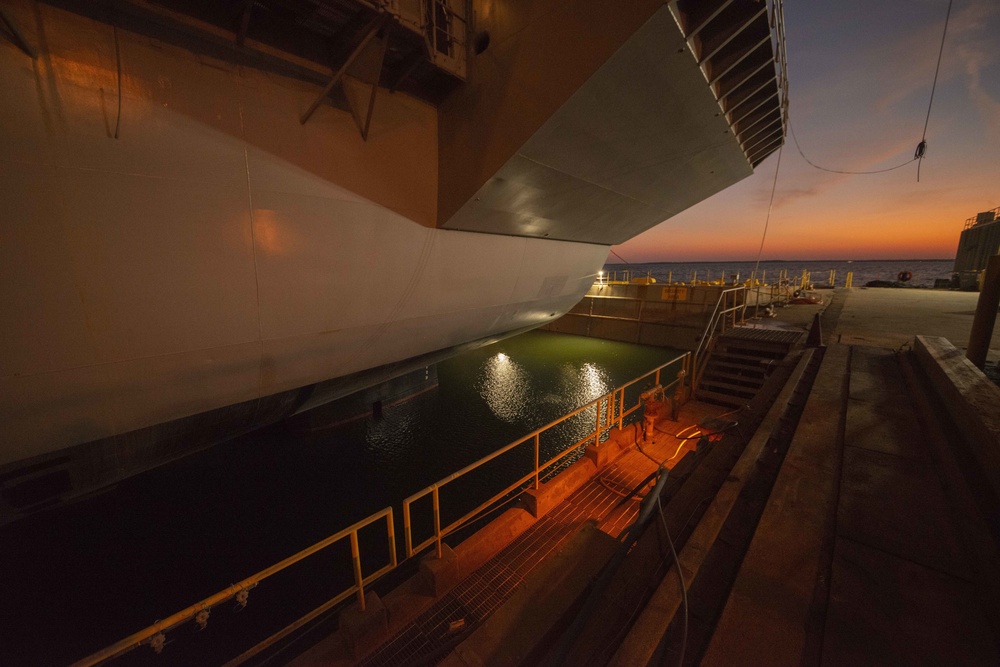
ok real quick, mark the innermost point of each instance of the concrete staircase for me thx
(740, 362)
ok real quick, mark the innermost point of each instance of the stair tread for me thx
(753, 352)
(784, 336)
(755, 379)
(725, 399)
(749, 370)
(727, 385)
(747, 357)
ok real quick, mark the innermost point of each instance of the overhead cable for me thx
(621, 258)
(922, 146)
(842, 171)
(921, 150)
(770, 204)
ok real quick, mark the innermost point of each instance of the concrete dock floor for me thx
(872, 549)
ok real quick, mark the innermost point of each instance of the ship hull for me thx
(219, 260)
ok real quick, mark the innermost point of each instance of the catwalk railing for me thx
(611, 409)
(154, 635)
(729, 309)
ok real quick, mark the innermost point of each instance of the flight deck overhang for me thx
(687, 105)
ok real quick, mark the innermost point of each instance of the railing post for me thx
(694, 375)
(597, 429)
(657, 381)
(621, 407)
(437, 521)
(537, 439)
(391, 529)
(359, 580)
(407, 535)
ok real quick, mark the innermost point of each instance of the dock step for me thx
(778, 336)
(729, 387)
(757, 369)
(722, 399)
(740, 363)
(716, 372)
(723, 354)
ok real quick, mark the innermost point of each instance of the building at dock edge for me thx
(979, 240)
(219, 214)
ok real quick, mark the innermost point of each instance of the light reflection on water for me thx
(492, 396)
(514, 394)
(486, 399)
(592, 382)
(506, 387)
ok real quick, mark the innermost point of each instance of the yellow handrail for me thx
(616, 396)
(718, 315)
(239, 590)
(153, 634)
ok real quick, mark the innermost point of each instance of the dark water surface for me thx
(81, 577)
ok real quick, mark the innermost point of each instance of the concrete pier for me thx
(875, 547)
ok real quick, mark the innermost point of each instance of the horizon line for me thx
(779, 261)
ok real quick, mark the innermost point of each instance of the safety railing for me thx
(611, 410)
(610, 406)
(447, 34)
(984, 218)
(730, 302)
(154, 635)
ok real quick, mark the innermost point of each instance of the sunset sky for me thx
(860, 79)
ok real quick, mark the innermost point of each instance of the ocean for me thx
(924, 271)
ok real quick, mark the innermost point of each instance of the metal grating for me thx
(781, 336)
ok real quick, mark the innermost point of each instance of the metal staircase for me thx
(740, 361)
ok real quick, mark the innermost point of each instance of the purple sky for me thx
(861, 74)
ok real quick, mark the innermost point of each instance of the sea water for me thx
(923, 271)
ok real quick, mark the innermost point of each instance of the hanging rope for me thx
(922, 146)
(118, 59)
(921, 150)
(841, 171)
(621, 258)
(770, 204)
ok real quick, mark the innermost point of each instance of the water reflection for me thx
(393, 434)
(594, 382)
(505, 386)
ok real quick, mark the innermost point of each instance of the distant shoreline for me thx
(780, 261)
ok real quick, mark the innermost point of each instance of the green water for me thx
(486, 399)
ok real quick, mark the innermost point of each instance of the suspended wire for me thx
(841, 171)
(118, 60)
(770, 205)
(621, 258)
(680, 579)
(921, 150)
(922, 146)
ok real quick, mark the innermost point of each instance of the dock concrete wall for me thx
(672, 315)
(969, 397)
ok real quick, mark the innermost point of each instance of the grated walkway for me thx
(428, 638)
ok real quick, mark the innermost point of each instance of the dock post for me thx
(986, 314)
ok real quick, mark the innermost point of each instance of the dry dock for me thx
(856, 523)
